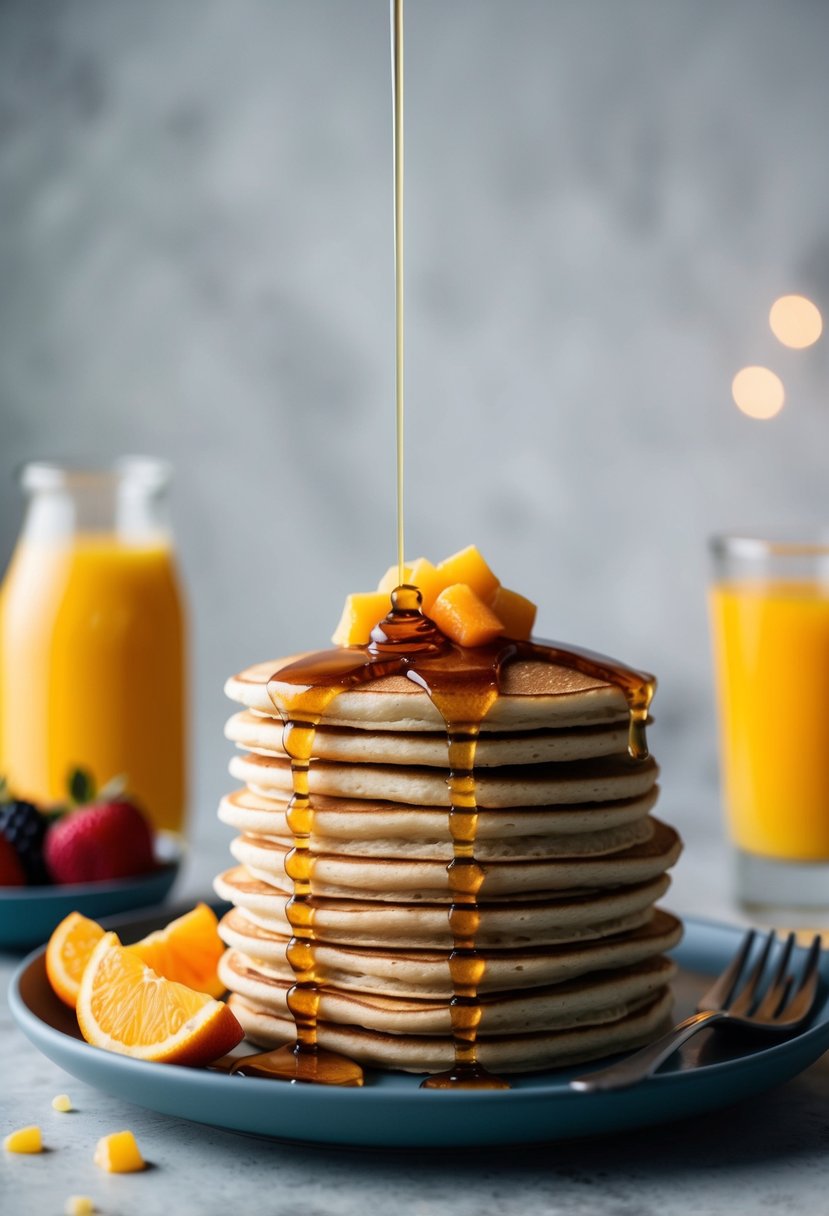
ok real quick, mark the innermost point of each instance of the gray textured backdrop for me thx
(603, 199)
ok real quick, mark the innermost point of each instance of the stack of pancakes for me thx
(574, 863)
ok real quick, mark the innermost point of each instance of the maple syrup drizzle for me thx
(303, 1060)
(464, 695)
(396, 19)
(637, 687)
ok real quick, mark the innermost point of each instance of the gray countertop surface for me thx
(764, 1155)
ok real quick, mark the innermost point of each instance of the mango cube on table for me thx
(24, 1140)
(118, 1153)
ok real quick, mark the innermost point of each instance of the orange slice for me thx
(123, 1006)
(68, 952)
(187, 951)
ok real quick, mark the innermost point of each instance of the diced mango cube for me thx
(463, 616)
(62, 1102)
(516, 612)
(476, 609)
(361, 613)
(24, 1140)
(467, 566)
(429, 583)
(118, 1153)
(78, 1205)
(391, 578)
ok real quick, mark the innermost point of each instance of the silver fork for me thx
(778, 1006)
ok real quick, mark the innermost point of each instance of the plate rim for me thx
(53, 892)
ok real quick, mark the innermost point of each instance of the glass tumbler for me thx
(769, 610)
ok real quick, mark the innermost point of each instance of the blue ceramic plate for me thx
(391, 1111)
(29, 914)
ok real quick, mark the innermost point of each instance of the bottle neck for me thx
(127, 502)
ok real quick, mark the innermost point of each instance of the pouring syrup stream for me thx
(397, 147)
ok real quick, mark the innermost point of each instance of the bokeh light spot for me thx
(758, 392)
(795, 321)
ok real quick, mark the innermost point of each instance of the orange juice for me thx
(771, 656)
(92, 669)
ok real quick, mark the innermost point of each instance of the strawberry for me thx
(109, 839)
(12, 873)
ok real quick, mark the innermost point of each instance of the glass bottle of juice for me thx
(92, 639)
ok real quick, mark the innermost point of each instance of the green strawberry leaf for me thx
(81, 786)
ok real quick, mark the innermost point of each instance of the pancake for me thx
(492, 848)
(542, 921)
(568, 943)
(603, 996)
(424, 972)
(339, 874)
(605, 779)
(370, 819)
(258, 732)
(504, 1053)
(532, 695)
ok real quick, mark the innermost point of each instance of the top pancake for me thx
(532, 694)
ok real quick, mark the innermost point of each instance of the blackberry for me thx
(24, 827)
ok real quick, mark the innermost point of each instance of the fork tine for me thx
(723, 987)
(807, 991)
(788, 1018)
(742, 1004)
(779, 985)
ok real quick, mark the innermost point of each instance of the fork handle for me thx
(644, 1063)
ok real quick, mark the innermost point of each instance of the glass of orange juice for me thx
(92, 639)
(769, 607)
